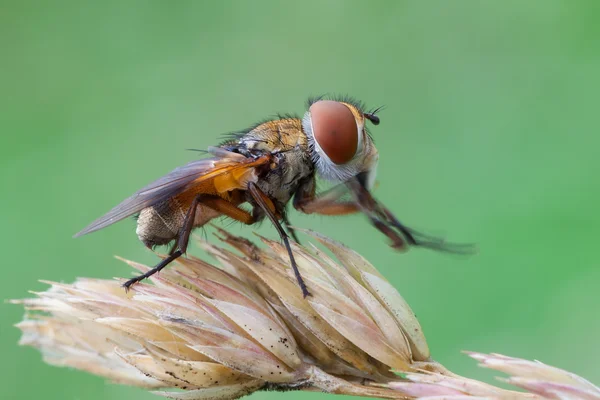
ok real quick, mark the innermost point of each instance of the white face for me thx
(341, 147)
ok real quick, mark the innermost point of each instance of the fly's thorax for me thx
(285, 141)
(280, 135)
(284, 176)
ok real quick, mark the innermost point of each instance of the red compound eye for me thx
(335, 130)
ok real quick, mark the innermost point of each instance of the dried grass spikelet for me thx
(540, 380)
(223, 332)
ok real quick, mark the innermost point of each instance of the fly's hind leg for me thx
(180, 247)
(177, 250)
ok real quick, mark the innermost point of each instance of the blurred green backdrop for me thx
(490, 135)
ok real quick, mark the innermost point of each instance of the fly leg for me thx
(326, 203)
(180, 247)
(372, 210)
(291, 230)
(386, 222)
(331, 202)
(268, 207)
(431, 242)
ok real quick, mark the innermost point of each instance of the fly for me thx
(267, 167)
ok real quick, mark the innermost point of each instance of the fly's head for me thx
(339, 142)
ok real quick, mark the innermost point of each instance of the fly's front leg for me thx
(386, 222)
(326, 203)
(329, 203)
(371, 208)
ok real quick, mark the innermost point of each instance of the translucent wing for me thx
(166, 187)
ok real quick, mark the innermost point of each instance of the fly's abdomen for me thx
(161, 223)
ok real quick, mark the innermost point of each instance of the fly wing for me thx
(166, 187)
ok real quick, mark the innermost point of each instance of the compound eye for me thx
(335, 130)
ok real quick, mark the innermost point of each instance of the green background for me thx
(490, 135)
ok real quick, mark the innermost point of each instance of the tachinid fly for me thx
(266, 167)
